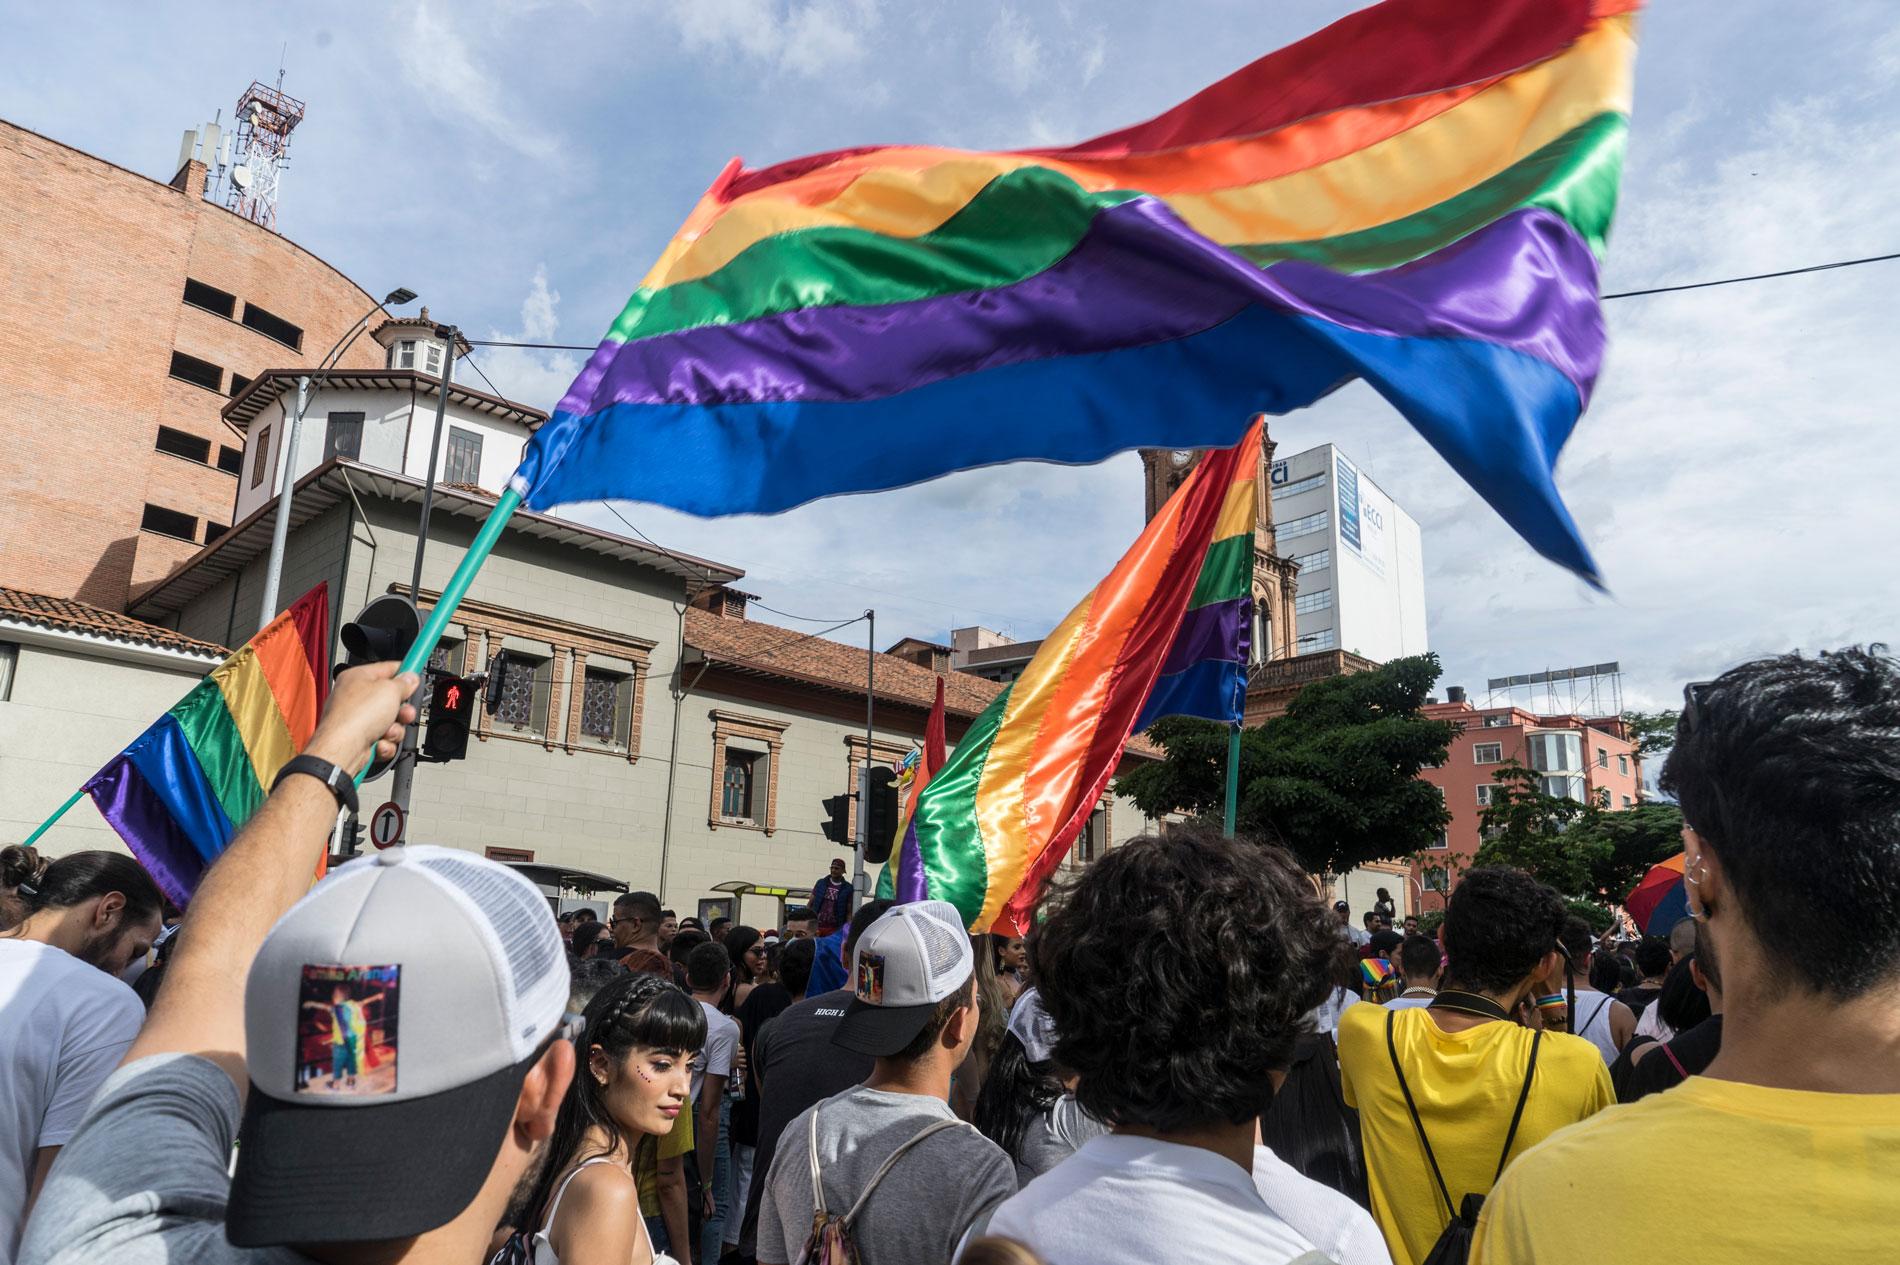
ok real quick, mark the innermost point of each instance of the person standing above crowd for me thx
(888, 1155)
(65, 1017)
(1342, 914)
(1419, 962)
(1600, 1019)
(1178, 971)
(1447, 1093)
(831, 900)
(1788, 773)
(419, 1163)
(1383, 907)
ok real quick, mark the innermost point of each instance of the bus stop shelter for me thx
(568, 888)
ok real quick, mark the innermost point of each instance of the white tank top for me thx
(1593, 1014)
(544, 1250)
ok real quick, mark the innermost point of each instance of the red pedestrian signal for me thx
(451, 707)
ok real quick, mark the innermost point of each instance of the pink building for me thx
(1588, 759)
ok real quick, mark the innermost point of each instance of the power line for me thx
(807, 619)
(1620, 294)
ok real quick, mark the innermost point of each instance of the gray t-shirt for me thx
(1052, 1137)
(144, 1180)
(921, 1208)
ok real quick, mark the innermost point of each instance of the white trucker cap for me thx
(390, 1018)
(906, 962)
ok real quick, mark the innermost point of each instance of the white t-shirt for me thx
(1325, 1016)
(722, 1039)
(1402, 1002)
(1136, 1200)
(64, 1026)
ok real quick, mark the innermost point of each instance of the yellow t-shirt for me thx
(1466, 1086)
(1712, 1171)
(647, 1157)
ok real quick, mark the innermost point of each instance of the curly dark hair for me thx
(1178, 970)
(1499, 925)
(1788, 769)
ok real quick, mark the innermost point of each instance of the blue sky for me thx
(520, 165)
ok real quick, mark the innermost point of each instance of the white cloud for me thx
(807, 38)
(1015, 52)
(534, 377)
(436, 56)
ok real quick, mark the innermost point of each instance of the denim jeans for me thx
(713, 1229)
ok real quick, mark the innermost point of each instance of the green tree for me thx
(1533, 831)
(1335, 778)
(1652, 732)
(1596, 916)
(1632, 840)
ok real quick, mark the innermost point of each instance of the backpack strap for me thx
(817, 1181)
(936, 1126)
(1392, 1048)
(1671, 1056)
(1523, 1095)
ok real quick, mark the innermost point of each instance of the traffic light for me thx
(497, 673)
(451, 707)
(837, 825)
(383, 630)
(880, 816)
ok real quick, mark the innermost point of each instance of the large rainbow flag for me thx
(185, 786)
(1001, 813)
(1417, 195)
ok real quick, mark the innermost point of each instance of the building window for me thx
(230, 460)
(1626, 801)
(1302, 526)
(1435, 878)
(1307, 484)
(465, 457)
(1093, 841)
(273, 326)
(214, 530)
(432, 361)
(261, 457)
(1314, 561)
(606, 706)
(200, 373)
(9, 664)
(1324, 639)
(1497, 722)
(1603, 758)
(525, 683)
(1623, 765)
(163, 522)
(504, 855)
(738, 786)
(1487, 753)
(1556, 752)
(343, 437)
(403, 354)
(1484, 794)
(1318, 600)
(1603, 797)
(1442, 842)
(180, 444)
(210, 298)
(1564, 786)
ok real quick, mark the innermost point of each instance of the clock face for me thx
(1181, 456)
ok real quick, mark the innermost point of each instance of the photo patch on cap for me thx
(871, 978)
(346, 1030)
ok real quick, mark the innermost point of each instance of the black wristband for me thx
(341, 784)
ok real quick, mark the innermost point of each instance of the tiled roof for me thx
(63, 614)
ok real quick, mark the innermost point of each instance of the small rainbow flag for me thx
(1000, 814)
(1417, 195)
(1376, 972)
(185, 786)
(903, 880)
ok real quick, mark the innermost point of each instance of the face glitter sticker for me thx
(346, 1030)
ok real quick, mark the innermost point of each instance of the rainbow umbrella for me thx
(1660, 901)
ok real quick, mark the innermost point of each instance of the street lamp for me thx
(280, 529)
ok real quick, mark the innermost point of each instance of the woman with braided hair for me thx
(632, 1079)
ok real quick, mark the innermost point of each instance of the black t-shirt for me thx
(798, 1067)
(1638, 996)
(1694, 1049)
(764, 1002)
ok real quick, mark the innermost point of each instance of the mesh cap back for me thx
(515, 914)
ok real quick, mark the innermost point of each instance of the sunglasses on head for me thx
(1693, 704)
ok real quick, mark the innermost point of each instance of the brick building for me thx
(135, 310)
(1588, 759)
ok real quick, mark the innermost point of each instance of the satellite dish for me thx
(241, 176)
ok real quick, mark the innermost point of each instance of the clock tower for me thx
(1275, 579)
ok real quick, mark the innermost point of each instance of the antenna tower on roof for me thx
(265, 119)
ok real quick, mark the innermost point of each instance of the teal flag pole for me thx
(1233, 780)
(59, 812)
(456, 589)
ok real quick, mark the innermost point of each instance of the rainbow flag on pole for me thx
(1417, 195)
(185, 786)
(903, 878)
(1001, 813)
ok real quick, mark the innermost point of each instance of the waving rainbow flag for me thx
(903, 879)
(185, 786)
(1416, 195)
(999, 816)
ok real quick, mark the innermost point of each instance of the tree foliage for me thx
(1598, 918)
(1652, 732)
(1532, 831)
(1631, 842)
(1335, 779)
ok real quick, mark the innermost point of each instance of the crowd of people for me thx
(1190, 1057)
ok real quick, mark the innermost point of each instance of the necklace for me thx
(1469, 1004)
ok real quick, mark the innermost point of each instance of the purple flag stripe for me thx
(134, 809)
(1139, 276)
(1215, 631)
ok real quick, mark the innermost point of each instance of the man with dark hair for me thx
(1464, 1063)
(718, 927)
(794, 967)
(798, 921)
(1788, 773)
(1653, 960)
(669, 927)
(1177, 971)
(1599, 1018)
(1411, 924)
(635, 923)
(892, 1144)
(1342, 912)
(709, 976)
(1419, 962)
(796, 1063)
